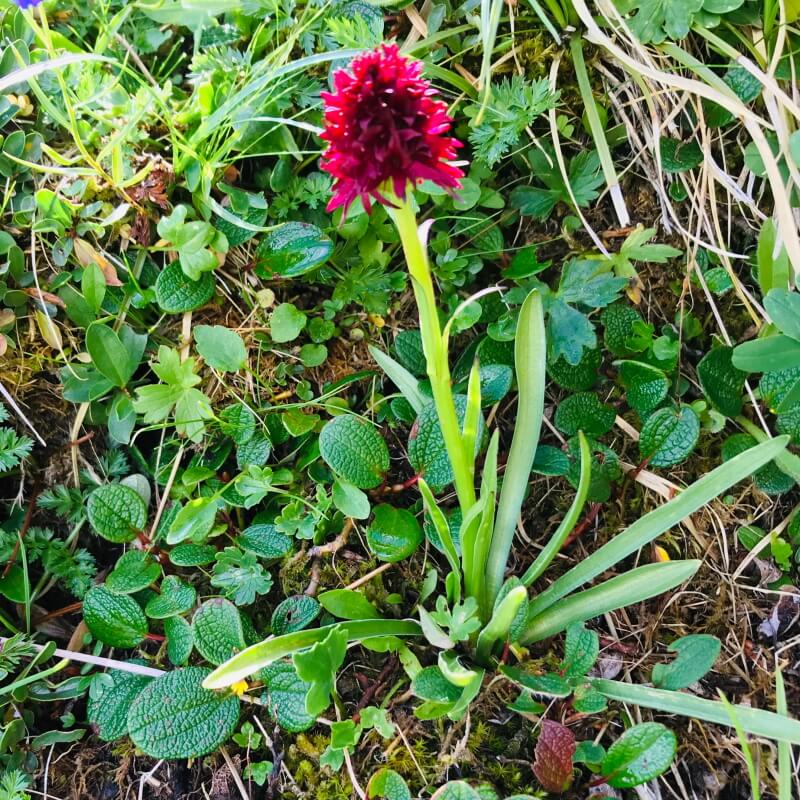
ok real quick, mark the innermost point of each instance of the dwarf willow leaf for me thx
(354, 449)
(294, 614)
(394, 533)
(107, 710)
(175, 597)
(642, 753)
(669, 436)
(218, 630)
(175, 717)
(176, 293)
(292, 249)
(116, 620)
(286, 697)
(134, 571)
(696, 655)
(116, 512)
(721, 381)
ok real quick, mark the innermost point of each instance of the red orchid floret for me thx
(385, 129)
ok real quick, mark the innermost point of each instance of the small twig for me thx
(369, 576)
(82, 440)
(584, 524)
(21, 414)
(337, 544)
(376, 685)
(235, 774)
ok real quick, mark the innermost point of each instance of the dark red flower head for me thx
(384, 128)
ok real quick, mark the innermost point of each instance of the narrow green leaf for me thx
(624, 590)
(401, 378)
(530, 357)
(661, 519)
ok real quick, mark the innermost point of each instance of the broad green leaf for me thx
(584, 412)
(771, 354)
(175, 597)
(116, 620)
(292, 249)
(696, 655)
(348, 604)
(116, 512)
(394, 533)
(408, 346)
(174, 717)
(581, 650)
(350, 500)
(134, 571)
(354, 449)
(455, 790)
(193, 521)
(577, 377)
(770, 478)
(180, 640)
(386, 784)
(93, 285)
(721, 381)
(646, 386)
(176, 293)
(192, 555)
(107, 710)
(548, 685)
(678, 156)
(113, 358)
(286, 697)
(642, 753)
(222, 348)
(430, 684)
(318, 666)
(669, 436)
(294, 613)
(218, 630)
(783, 308)
(773, 270)
(265, 540)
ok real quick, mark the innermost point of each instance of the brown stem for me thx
(26, 523)
(583, 525)
(377, 684)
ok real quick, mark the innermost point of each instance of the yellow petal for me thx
(662, 554)
(239, 688)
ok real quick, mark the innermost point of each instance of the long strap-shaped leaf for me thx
(755, 721)
(530, 358)
(260, 655)
(661, 519)
(402, 379)
(624, 590)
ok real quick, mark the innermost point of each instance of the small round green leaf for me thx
(222, 348)
(394, 533)
(294, 614)
(114, 619)
(192, 555)
(696, 655)
(176, 293)
(134, 571)
(669, 436)
(174, 717)
(116, 512)
(646, 386)
(642, 753)
(584, 412)
(292, 249)
(354, 449)
(265, 540)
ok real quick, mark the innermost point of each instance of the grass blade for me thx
(401, 378)
(258, 656)
(754, 721)
(631, 587)
(784, 748)
(530, 358)
(500, 623)
(661, 519)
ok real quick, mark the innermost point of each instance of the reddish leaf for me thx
(552, 762)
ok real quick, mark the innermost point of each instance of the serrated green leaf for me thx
(430, 684)
(286, 697)
(354, 449)
(646, 386)
(584, 412)
(581, 649)
(578, 377)
(294, 614)
(618, 323)
(192, 555)
(180, 640)
(174, 717)
(176, 293)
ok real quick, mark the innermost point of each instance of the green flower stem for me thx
(435, 351)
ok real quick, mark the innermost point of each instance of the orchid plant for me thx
(386, 132)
